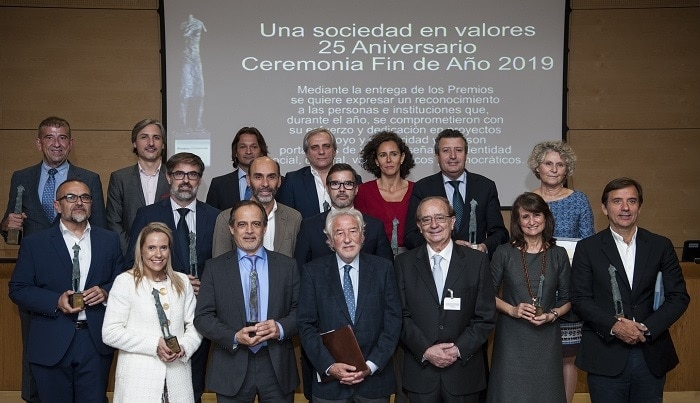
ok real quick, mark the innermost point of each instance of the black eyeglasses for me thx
(71, 198)
(179, 175)
(348, 185)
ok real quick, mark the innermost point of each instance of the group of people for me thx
(213, 294)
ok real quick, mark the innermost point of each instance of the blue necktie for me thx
(248, 193)
(457, 204)
(437, 275)
(48, 195)
(348, 292)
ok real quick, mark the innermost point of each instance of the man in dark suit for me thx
(248, 306)
(55, 142)
(474, 197)
(352, 288)
(225, 190)
(626, 347)
(342, 188)
(64, 346)
(138, 185)
(184, 174)
(305, 189)
(283, 222)
(449, 309)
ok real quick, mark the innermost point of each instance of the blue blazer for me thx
(223, 191)
(161, 211)
(311, 242)
(43, 272)
(490, 229)
(377, 324)
(31, 203)
(298, 191)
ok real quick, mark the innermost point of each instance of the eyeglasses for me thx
(192, 175)
(348, 185)
(71, 198)
(439, 218)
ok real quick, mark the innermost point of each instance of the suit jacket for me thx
(125, 197)
(298, 191)
(591, 296)
(311, 242)
(223, 191)
(426, 323)
(287, 223)
(489, 221)
(162, 211)
(31, 202)
(43, 272)
(377, 324)
(220, 313)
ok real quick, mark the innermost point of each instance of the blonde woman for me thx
(147, 305)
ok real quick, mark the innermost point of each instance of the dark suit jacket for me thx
(43, 272)
(377, 324)
(489, 221)
(31, 203)
(298, 191)
(220, 313)
(311, 243)
(287, 223)
(591, 295)
(426, 323)
(162, 211)
(223, 191)
(125, 197)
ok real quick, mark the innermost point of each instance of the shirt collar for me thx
(355, 262)
(445, 253)
(63, 167)
(143, 171)
(65, 230)
(192, 206)
(619, 239)
(462, 178)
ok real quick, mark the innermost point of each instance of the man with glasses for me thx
(449, 309)
(38, 184)
(64, 344)
(191, 221)
(312, 242)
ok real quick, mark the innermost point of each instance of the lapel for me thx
(365, 282)
(424, 270)
(280, 227)
(457, 267)
(640, 258)
(31, 190)
(65, 259)
(332, 277)
(469, 194)
(273, 274)
(233, 278)
(310, 187)
(96, 249)
(610, 250)
(136, 177)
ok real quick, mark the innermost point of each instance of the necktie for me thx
(248, 193)
(48, 195)
(348, 292)
(457, 204)
(76, 268)
(437, 275)
(183, 233)
(253, 300)
(326, 206)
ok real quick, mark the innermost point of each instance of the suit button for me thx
(441, 327)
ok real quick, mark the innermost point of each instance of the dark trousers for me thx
(199, 369)
(30, 393)
(441, 395)
(80, 376)
(260, 380)
(635, 384)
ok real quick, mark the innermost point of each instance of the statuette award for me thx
(14, 235)
(76, 299)
(170, 340)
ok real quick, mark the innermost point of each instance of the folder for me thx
(342, 345)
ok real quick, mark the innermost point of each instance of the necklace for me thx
(535, 298)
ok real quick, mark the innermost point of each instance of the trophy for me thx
(193, 255)
(394, 236)
(14, 235)
(472, 224)
(617, 297)
(170, 340)
(537, 301)
(76, 299)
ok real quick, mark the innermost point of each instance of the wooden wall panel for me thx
(634, 69)
(665, 162)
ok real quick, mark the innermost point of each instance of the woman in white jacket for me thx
(147, 369)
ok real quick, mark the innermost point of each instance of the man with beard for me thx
(282, 222)
(225, 190)
(64, 345)
(141, 184)
(184, 174)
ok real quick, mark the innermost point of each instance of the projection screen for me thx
(491, 68)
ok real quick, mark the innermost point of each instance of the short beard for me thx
(184, 195)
